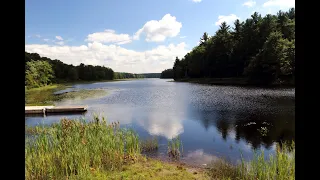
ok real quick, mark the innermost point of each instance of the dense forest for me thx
(167, 74)
(151, 75)
(260, 49)
(41, 71)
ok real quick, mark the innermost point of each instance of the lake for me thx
(212, 121)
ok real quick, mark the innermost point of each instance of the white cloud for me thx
(228, 19)
(38, 36)
(60, 43)
(182, 37)
(59, 38)
(249, 3)
(109, 36)
(113, 56)
(196, 1)
(158, 31)
(46, 40)
(282, 4)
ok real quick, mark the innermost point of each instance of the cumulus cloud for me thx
(59, 38)
(113, 56)
(196, 1)
(249, 3)
(109, 36)
(158, 31)
(282, 4)
(60, 43)
(228, 19)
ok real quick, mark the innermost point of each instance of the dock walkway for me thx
(53, 109)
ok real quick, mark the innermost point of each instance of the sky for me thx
(141, 36)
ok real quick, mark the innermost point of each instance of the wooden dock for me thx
(54, 109)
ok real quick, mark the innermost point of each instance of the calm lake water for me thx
(212, 121)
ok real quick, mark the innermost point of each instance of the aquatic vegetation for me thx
(78, 149)
(45, 95)
(74, 147)
(150, 144)
(81, 94)
(175, 148)
(278, 166)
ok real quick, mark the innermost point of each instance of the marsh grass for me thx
(281, 165)
(175, 148)
(45, 95)
(149, 145)
(81, 94)
(75, 148)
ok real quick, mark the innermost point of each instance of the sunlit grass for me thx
(42, 96)
(45, 95)
(75, 148)
(278, 166)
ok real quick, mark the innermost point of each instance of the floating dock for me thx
(54, 109)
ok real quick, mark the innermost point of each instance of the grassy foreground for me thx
(75, 149)
(95, 150)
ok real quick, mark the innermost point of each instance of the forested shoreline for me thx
(167, 74)
(259, 49)
(41, 71)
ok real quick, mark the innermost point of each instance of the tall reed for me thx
(74, 148)
(281, 165)
(175, 148)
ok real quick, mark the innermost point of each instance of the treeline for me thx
(167, 74)
(123, 75)
(151, 75)
(41, 71)
(260, 49)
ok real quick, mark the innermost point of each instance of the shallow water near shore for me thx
(212, 121)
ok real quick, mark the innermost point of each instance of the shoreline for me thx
(232, 82)
(83, 139)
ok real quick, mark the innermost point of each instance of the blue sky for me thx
(130, 36)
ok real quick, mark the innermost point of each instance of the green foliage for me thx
(278, 166)
(42, 70)
(45, 95)
(175, 148)
(167, 74)
(260, 49)
(122, 75)
(38, 73)
(75, 148)
(151, 75)
(149, 145)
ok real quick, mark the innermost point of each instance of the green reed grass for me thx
(149, 145)
(281, 165)
(75, 148)
(175, 148)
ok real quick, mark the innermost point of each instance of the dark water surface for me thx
(212, 121)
